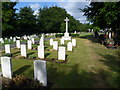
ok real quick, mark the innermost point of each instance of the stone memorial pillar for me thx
(29, 44)
(42, 41)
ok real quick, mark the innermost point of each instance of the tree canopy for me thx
(104, 14)
(48, 20)
(26, 21)
(8, 18)
(52, 20)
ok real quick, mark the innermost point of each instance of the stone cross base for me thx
(66, 36)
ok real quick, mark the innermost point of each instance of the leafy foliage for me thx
(26, 21)
(48, 20)
(8, 18)
(103, 14)
(52, 20)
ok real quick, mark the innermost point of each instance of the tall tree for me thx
(52, 20)
(27, 21)
(104, 14)
(8, 18)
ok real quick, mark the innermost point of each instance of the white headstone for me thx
(14, 39)
(41, 51)
(7, 48)
(23, 50)
(25, 37)
(28, 37)
(11, 38)
(29, 44)
(61, 53)
(110, 35)
(51, 41)
(40, 72)
(6, 67)
(75, 32)
(62, 41)
(42, 41)
(55, 45)
(1, 40)
(69, 46)
(33, 40)
(74, 42)
(5, 38)
(18, 43)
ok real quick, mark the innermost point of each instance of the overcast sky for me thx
(71, 7)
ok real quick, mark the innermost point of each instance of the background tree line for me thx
(48, 20)
(104, 15)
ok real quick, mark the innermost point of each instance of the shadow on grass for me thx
(21, 70)
(113, 63)
(30, 53)
(16, 52)
(66, 56)
(91, 38)
(47, 54)
(73, 78)
(45, 47)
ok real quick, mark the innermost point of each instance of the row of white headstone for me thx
(41, 52)
(24, 37)
(15, 38)
(40, 73)
(61, 51)
(69, 44)
(23, 47)
(29, 43)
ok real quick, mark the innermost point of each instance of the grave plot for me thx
(31, 52)
(87, 62)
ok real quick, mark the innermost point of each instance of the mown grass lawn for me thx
(89, 65)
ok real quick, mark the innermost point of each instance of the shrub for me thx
(7, 54)
(59, 35)
(74, 35)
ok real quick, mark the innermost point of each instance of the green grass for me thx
(89, 65)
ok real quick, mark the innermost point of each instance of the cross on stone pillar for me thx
(66, 24)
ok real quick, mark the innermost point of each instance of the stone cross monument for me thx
(66, 34)
(66, 24)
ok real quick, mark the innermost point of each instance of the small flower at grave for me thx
(19, 79)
